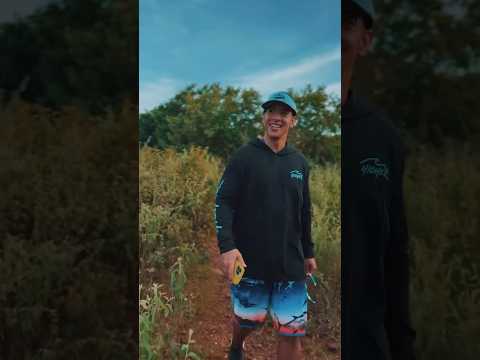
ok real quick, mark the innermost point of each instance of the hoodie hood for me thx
(287, 150)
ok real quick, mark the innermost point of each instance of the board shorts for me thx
(286, 301)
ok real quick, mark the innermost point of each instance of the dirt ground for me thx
(212, 315)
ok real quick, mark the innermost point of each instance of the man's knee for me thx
(289, 347)
(291, 341)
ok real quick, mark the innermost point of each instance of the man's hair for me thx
(357, 13)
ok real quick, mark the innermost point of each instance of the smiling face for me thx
(278, 119)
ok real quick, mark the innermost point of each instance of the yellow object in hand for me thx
(238, 271)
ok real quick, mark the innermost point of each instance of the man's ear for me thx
(294, 123)
(366, 42)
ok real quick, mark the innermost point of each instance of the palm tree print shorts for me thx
(286, 301)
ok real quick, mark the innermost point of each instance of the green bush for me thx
(66, 232)
(326, 232)
(442, 192)
(176, 203)
(222, 119)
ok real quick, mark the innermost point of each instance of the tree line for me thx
(80, 53)
(223, 118)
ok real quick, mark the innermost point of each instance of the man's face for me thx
(277, 120)
(356, 39)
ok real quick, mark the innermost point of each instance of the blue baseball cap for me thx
(284, 98)
(367, 6)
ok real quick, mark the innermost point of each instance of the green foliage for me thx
(177, 191)
(223, 119)
(326, 233)
(318, 132)
(66, 231)
(444, 229)
(155, 336)
(150, 305)
(210, 117)
(418, 59)
(185, 348)
(176, 195)
(73, 52)
(178, 280)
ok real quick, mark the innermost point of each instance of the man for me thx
(263, 218)
(375, 297)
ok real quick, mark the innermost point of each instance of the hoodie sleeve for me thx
(225, 204)
(307, 218)
(400, 333)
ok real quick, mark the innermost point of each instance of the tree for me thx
(425, 51)
(318, 130)
(212, 117)
(73, 52)
(222, 119)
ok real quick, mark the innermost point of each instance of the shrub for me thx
(66, 232)
(326, 233)
(176, 203)
(442, 192)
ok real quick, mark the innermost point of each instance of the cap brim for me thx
(266, 104)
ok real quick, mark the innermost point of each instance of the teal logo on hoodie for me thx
(373, 166)
(296, 174)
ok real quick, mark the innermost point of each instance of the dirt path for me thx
(212, 317)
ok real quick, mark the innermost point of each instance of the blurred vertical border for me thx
(69, 179)
(424, 72)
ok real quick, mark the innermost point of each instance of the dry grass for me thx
(442, 192)
(66, 228)
(326, 232)
(177, 192)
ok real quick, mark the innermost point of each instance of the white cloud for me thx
(334, 88)
(157, 92)
(294, 76)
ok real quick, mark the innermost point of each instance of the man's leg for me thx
(289, 314)
(239, 334)
(289, 348)
(250, 299)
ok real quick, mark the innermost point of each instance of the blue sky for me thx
(268, 45)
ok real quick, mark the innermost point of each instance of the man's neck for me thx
(275, 144)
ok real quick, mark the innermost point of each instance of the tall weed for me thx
(326, 233)
(66, 231)
(442, 192)
(177, 192)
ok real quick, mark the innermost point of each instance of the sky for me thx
(268, 45)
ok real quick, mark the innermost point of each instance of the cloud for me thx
(157, 92)
(295, 75)
(334, 88)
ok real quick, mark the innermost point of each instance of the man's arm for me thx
(225, 204)
(400, 333)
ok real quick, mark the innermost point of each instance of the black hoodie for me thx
(375, 311)
(263, 209)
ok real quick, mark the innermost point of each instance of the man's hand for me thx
(310, 265)
(228, 261)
